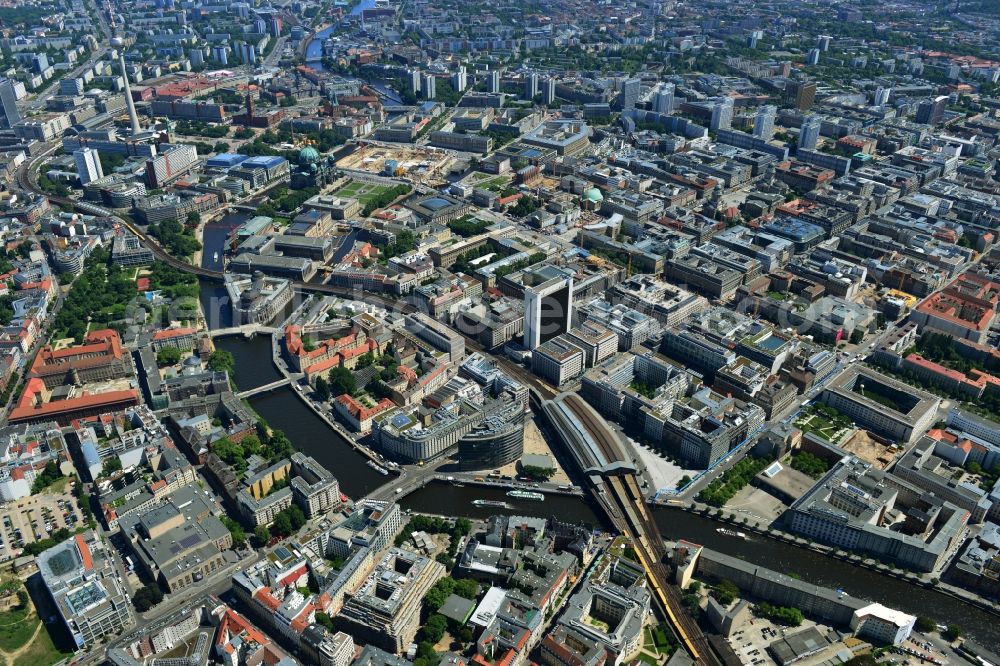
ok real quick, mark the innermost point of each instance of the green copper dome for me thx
(308, 155)
(594, 194)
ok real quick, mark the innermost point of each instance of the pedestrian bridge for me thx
(249, 393)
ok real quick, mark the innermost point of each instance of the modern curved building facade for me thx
(413, 437)
(495, 442)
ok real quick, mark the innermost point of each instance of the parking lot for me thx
(751, 640)
(33, 518)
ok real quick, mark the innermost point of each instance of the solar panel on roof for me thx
(190, 540)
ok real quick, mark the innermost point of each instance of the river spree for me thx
(314, 50)
(677, 524)
(284, 410)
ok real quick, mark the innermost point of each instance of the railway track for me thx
(622, 499)
(636, 522)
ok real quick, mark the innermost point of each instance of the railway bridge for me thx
(611, 473)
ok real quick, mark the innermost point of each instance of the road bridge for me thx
(246, 330)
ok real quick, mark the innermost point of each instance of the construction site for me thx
(423, 164)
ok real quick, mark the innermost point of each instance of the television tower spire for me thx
(119, 44)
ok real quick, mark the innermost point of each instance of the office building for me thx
(428, 86)
(436, 334)
(608, 610)
(71, 86)
(181, 110)
(802, 94)
(722, 114)
(809, 133)
(313, 487)
(631, 89)
(883, 625)
(327, 649)
(931, 111)
(656, 298)
(171, 164)
(530, 85)
(632, 328)
(864, 510)
(763, 126)
(557, 360)
(978, 566)
(780, 589)
(385, 610)
(549, 92)
(596, 342)
(372, 525)
(88, 165)
(81, 577)
(564, 136)
(885, 406)
(481, 416)
(9, 115)
(548, 304)
(664, 100)
(882, 96)
(128, 250)
(609, 388)
(460, 79)
(179, 541)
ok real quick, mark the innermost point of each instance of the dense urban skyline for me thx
(561, 332)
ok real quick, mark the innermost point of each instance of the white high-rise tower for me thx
(88, 165)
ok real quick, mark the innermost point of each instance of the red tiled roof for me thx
(168, 333)
(88, 559)
(359, 411)
(264, 597)
(234, 624)
(27, 409)
(98, 347)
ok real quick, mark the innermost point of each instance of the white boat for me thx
(378, 468)
(494, 503)
(731, 533)
(526, 494)
(215, 257)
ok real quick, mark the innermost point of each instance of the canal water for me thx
(284, 410)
